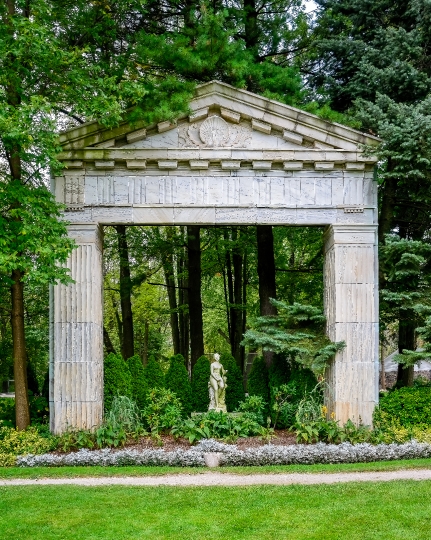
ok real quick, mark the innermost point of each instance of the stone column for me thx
(76, 337)
(351, 309)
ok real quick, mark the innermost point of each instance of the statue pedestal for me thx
(218, 409)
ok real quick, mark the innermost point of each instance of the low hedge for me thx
(407, 407)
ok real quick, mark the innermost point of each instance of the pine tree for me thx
(177, 380)
(234, 385)
(200, 378)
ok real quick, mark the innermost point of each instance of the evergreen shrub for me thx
(117, 380)
(235, 388)
(139, 382)
(153, 374)
(177, 380)
(258, 381)
(15, 443)
(278, 374)
(406, 407)
(200, 378)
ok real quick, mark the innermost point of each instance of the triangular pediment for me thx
(224, 117)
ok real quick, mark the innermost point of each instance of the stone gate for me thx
(236, 159)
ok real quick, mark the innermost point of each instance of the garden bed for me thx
(231, 455)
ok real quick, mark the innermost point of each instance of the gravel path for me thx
(227, 479)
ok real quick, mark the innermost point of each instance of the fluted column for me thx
(351, 309)
(76, 340)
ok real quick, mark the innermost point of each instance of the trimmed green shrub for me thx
(117, 380)
(139, 382)
(153, 374)
(258, 381)
(406, 407)
(15, 443)
(234, 385)
(7, 412)
(200, 378)
(177, 380)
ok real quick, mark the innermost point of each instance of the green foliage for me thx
(39, 410)
(163, 411)
(218, 425)
(234, 384)
(138, 380)
(200, 378)
(154, 374)
(7, 412)
(298, 331)
(123, 420)
(177, 380)
(15, 443)
(258, 380)
(407, 406)
(116, 378)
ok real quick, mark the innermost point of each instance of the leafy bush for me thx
(15, 443)
(117, 379)
(139, 382)
(258, 380)
(219, 425)
(7, 412)
(39, 410)
(177, 380)
(163, 411)
(200, 378)
(406, 407)
(154, 374)
(234, 385)
(254, 405)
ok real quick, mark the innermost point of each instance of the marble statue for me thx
(217, 386)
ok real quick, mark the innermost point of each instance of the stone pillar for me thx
(351, 309)
(76, 337)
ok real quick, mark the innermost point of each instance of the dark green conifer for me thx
(235, 388)
(200, 377)
(153, 374)
(139, 383)
(258, 380)
(116, 378)
(177, 380)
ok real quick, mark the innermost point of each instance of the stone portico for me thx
(236, 159)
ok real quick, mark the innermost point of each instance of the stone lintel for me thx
(196, 164)
(324, 165)
(230, 164)
(293, 165)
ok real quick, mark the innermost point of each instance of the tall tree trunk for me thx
(266, 273)
(406, 340)
(127, 342)
(107, 342)
(238, 309)
(168, 268)
(195, 301)
(183, 298)
(22, 409)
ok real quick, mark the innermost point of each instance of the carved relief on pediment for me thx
(213, 132)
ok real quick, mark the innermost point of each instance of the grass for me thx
(70, 472)
(393, 510)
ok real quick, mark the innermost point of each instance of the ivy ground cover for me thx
(393, 510)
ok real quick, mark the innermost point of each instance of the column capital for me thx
(350, 234)
(87, 234)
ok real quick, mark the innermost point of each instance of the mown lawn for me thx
(393, 510)
(70, 472)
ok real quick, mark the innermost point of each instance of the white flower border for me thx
(265, 455)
